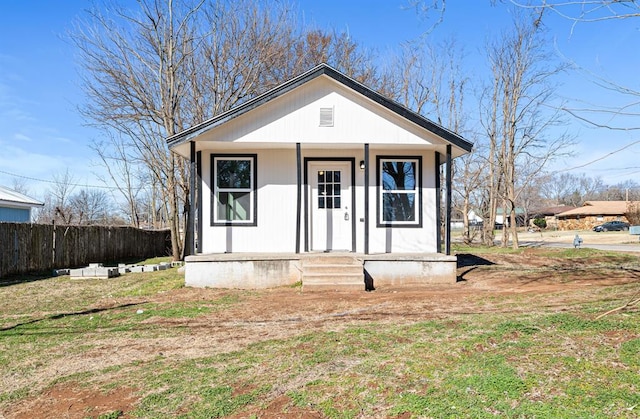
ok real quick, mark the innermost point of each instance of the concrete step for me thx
(332, 269)
(335, 272)
(333, 287)
(333, 282)
(331, 259)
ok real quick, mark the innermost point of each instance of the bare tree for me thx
(58, 198)
(468, 183)
(516, 117)
(91, 206)
(133, 64)
(570, 189)
(430, 12)
(624, 115)
(172, 64)
(586, 10)
(432, 82)
(20, 185)
(123, 170)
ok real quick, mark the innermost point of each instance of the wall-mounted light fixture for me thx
(361, 164)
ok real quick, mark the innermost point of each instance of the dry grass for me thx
(517, 338)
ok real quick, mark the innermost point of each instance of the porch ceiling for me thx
(184, 149)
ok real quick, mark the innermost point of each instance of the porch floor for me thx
(207, 257)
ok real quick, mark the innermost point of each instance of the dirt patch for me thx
(70, 400)
(281, 407)
(286, 312)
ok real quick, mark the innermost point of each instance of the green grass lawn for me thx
(539, 362)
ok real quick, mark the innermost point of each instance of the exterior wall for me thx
(15, 215)
(403, 239)
(411, 270)
(587, 222)
(276, 207)
(275, 231)
(252, 272)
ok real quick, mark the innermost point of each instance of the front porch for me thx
(319, 271)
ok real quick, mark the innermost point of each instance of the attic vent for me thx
(326, 117)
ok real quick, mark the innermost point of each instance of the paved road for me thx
(611, 247)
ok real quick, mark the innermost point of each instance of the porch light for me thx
(361, 164)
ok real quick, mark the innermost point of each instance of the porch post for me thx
(438, 203)
(189, 236)
(366, 199)
(198, 238)
(447, 226)
(299, 195)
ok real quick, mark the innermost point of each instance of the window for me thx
(399, 191)
(234, 189)
(329, 189)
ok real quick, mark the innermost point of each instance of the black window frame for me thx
(379, 192)
(253, 158)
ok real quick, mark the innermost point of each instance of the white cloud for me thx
(62, 140)
(38, 169)
(21, 137)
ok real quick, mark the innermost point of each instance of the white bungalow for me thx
(16, 207)
(319, 180)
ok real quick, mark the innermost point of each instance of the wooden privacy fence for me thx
(42, 247)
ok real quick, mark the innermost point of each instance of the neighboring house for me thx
(591, 214)
(501, 220)
(457, 223)
(16, 207)
(550, 215)
(474, 218)
(320, 165)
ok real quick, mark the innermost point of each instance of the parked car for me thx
(612, 226)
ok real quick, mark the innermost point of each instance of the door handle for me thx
(346, 213)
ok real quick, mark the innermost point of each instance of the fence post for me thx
(53, 245)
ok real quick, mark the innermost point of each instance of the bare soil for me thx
(526, 282)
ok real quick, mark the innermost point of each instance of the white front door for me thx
(331, 212)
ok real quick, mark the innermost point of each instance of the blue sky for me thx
(41, 132)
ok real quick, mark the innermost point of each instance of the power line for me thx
(599, 158)
(57, 183)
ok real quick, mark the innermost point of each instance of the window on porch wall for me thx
(234, 189)
(399, 192)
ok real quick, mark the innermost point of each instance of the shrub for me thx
(540, 222)
(633, 213)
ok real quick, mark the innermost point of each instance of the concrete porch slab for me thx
(268, 270)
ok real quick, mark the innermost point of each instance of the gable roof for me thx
(555, 210)
(321, 70)
(14, 198)
(598, 208)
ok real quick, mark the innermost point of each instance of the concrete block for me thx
(150, 268)
(94, 272)
(96, 265)
(137, 268)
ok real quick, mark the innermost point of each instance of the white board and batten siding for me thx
(276, 207)
(295, 117)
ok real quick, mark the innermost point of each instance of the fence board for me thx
(28, 247)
